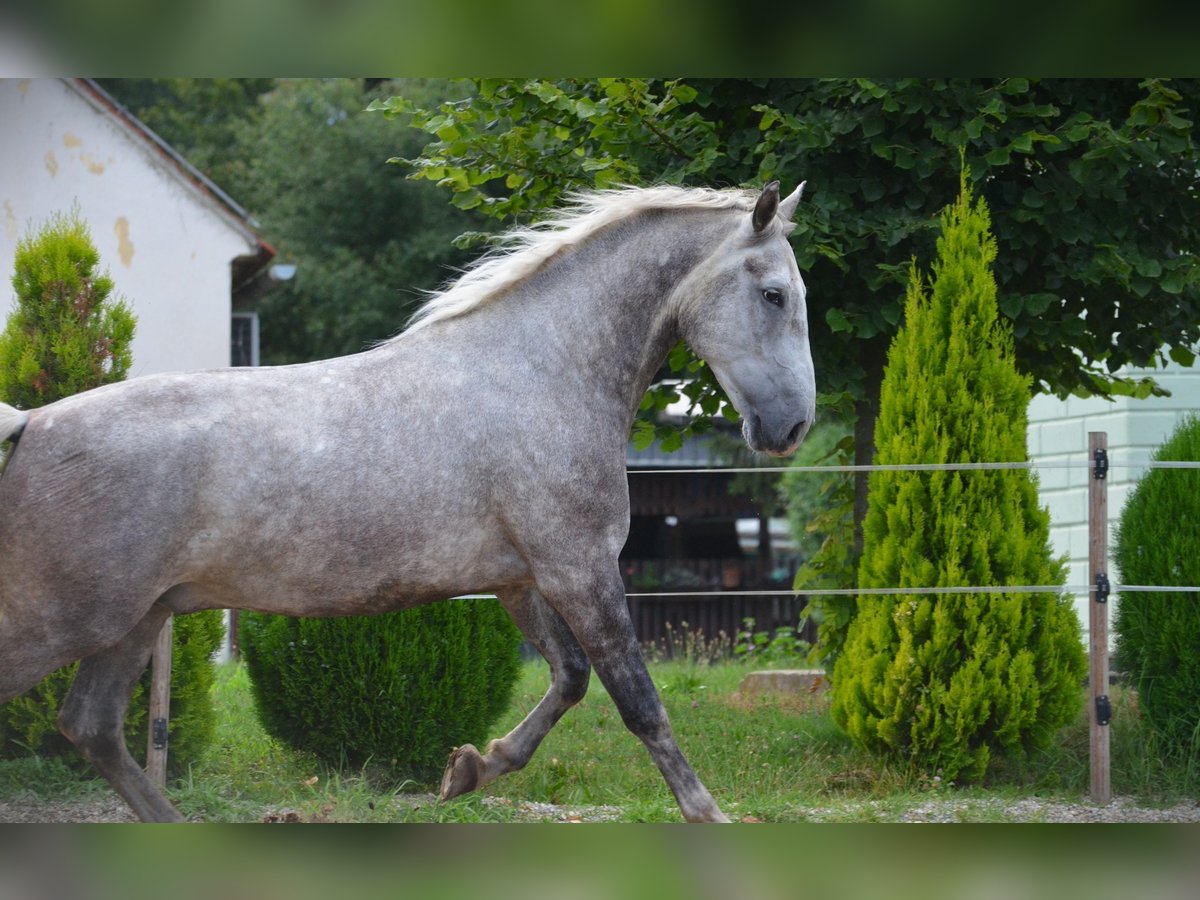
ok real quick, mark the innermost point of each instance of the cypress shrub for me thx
(399, 690)
(1157, 542)
(68, 334)
(951, 682)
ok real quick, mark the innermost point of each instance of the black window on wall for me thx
(244, 343)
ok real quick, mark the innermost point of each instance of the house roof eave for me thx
(224, 205)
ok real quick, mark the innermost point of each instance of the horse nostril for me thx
(794, 434)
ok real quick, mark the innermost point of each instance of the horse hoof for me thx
(462, 773)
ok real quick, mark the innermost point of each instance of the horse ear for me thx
(787, 206)
(768, 203)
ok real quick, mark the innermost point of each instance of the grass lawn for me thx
(770, 759)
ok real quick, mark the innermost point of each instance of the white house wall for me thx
(1058, 432)
(166, 245)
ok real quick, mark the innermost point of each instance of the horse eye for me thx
(773, 296)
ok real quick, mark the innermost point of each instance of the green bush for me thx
(399, 690)
(28, 724)
(68, 334)
(820, 511)
(947, 682)
(1157, 542)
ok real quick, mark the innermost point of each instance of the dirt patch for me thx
(790, 704)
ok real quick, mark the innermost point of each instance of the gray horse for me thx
(482, 449)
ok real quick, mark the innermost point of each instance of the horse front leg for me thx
(597, 614)
(468, 769)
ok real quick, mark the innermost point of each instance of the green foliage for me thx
(1089, 183)
(820, 510)
(366, 241)
(688, 645)
(517, 147)
(28, 724)
(399, 690)
(66, 335)
(203, 118)
(950, 681)
(764, 648)
(806, 496)
(302, 156)
(1157, 542)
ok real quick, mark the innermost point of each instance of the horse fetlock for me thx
(715, 816)
(499, 759)
(697, 804)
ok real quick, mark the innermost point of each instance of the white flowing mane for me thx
(523, 251)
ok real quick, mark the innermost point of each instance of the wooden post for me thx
(1099, 708)
(160, 706)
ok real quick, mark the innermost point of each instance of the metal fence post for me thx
(1099, 707)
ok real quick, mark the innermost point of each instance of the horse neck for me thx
(604, 310)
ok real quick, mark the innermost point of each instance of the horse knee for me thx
(572, 679)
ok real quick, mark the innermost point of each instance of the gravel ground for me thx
(1122, 809)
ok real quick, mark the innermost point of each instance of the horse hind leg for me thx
(93, 716)
(468, 769)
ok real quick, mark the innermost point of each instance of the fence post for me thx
(1099, 708)
(160, 705)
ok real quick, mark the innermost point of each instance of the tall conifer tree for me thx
(66, 334)
(948, 681)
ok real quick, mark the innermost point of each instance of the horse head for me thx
(743, 311)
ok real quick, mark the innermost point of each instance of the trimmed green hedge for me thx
(399, 690)
(1157, 542)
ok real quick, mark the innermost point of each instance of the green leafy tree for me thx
(515, 148)
(948, 682)
(1158, 634)
(202, 118)
(367, 242)
(1090, 183)
(302, 156)
(69, 334)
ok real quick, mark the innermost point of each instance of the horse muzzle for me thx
(778, 438)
